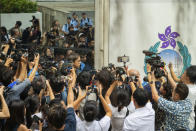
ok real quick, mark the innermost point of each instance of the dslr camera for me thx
(37, 119)
(50, 35)
(66, 68)
(18, 54)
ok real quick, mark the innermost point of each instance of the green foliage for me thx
(17, 6)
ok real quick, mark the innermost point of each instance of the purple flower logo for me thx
(168, 38)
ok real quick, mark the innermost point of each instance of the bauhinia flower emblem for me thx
(168, 38)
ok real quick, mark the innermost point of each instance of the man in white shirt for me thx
(192, 97)
(143, 118)
(102, 125)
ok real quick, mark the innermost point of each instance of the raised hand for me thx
(99, 89)
(8, 62)
(170, 66)
(1, 89)
(36, 59)
(148, 67)
(24, 60)
(153, 76)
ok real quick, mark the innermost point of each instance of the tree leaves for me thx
(17, 6)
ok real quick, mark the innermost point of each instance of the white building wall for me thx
(135, 24)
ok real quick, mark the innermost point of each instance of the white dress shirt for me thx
(192, 97)
(143, 119)
(102, 125)
(117, 120)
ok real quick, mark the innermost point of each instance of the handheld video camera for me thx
(157, 65)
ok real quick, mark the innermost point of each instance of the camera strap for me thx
(127, 113)
(66, 27)
(84, 20)
(11, 85)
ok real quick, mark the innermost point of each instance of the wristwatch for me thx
(152, 82)
(149, 72)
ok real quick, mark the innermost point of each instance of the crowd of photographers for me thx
(42, 89)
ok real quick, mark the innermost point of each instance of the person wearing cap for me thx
(82, 40)
(85, 21)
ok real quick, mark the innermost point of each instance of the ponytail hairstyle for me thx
(32, 104)
(17, 112)
(90, 110)
(120, 97)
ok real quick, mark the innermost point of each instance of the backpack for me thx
(82, 20)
